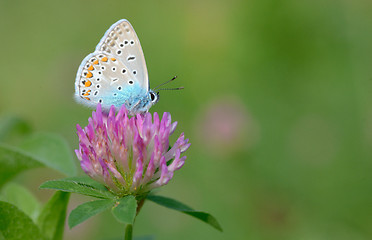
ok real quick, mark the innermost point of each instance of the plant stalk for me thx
(128, 232)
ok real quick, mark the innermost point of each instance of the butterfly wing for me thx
(103, 78)
(121, 40)
(116, 72)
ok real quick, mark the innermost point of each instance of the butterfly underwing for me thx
(115, 73)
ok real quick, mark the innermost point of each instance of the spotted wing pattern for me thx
(117, 63)
(121, 41)
(102, 77)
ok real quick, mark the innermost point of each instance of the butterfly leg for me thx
(136, 106)
(133, 108)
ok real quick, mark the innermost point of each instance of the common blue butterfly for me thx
(115, 73)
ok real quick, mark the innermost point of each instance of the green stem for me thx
(129, 227)
(128, 232)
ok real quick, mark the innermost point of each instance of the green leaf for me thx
(16, 225)
(79, 185)
(176, 205)
(52, 150)
(52, 218)
(86, 180)
(14, 161)
(87, 210)
(22, 198)
(12, 127)
(125, 209)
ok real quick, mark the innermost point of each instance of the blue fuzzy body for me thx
(135, 98)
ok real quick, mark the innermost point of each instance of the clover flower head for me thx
(130, 155)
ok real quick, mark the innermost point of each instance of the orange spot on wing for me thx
(89, 75)
(104, 59)
(113, 59)
(87, 98)
(95, 62)
(90, 68)
(87, 93)
(88, 83)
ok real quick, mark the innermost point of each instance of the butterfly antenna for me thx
(178, 88)
(164, 83)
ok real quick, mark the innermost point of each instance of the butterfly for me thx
(115, 73)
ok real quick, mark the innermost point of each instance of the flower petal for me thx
(129, 155)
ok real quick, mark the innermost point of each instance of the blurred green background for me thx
(276, 105)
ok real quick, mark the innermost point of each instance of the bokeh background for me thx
(276, 104)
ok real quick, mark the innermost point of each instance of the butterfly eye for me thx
(152, 96)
